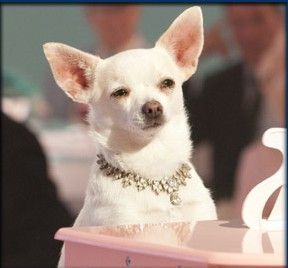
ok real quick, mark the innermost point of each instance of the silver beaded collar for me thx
(169, 185)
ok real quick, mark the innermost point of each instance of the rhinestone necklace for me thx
(168, 185)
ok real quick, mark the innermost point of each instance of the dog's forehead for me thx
(140, 62)
(135, 56)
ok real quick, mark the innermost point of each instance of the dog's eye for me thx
(167, 83)
(121, 92)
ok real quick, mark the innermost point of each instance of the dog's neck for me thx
(151, 158)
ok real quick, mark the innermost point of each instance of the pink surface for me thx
(83, 255)
(212, 243)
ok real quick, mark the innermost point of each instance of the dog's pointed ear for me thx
(73, 70)
(184, 40)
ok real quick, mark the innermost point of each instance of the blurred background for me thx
(236, 94)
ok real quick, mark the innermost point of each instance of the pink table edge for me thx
(77, 235)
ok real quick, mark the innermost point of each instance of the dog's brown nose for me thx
(152, 109)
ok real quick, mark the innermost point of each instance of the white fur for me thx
(117, 127)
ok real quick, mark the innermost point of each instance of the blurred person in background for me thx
(31, 210)
(115, 28)
(232, 108)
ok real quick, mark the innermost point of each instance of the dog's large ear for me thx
(184, 40)
(73, 70)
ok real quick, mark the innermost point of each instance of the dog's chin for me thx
(151, 128)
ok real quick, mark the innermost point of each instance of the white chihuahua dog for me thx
(139, 124)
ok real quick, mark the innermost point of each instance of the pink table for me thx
(201, 244)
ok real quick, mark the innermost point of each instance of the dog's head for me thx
(136, 90)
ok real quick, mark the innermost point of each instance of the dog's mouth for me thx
(153, 124)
